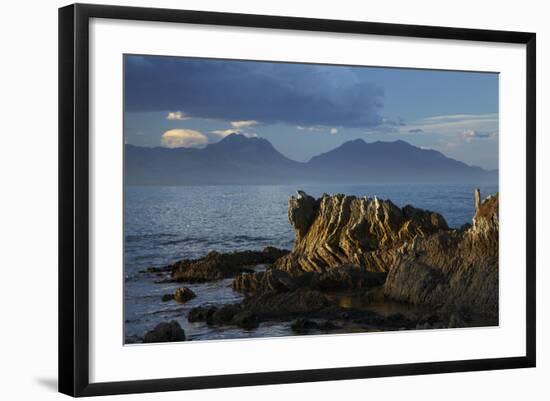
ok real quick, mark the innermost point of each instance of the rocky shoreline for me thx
(346, 247)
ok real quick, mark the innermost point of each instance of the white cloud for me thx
(453, 125)
(460, 117)
(222, 133)
(317, 128)
(469, 135)
(309, 128)
(243, 123)
(183, 138)
(466, 136)
(177, 115)
(239, 127)
(452, 132)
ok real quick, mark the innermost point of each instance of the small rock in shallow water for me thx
(184, 294)
(165, 332)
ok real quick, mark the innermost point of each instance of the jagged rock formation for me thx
(452, 267)
(338, 229)
(340, 237)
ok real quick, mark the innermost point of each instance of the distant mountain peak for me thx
(358, 140)
(234, 137)
(238, 159)
(352, 143)
(362, 142)
(399, 142)
(239, 141)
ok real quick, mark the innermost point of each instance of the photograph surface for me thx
(266, 199)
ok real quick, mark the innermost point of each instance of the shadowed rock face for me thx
(452, 267)
(336, 230)
(341, 278)
(165, 332)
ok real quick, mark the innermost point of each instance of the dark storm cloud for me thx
(300, 94)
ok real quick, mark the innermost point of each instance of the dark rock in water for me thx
(223, 314)
(302, 325)
(452, 267)
(265, 306)
(216, 266)
(337, 230)
(231, 314)
(246, 319)
(201, 313)
(285, 305)
(165, 332)
(167, 297)
(184, 294)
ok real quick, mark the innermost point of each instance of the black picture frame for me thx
(74, 198)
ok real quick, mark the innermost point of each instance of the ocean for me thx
(166, 224)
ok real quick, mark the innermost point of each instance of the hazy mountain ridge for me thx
(237, 159)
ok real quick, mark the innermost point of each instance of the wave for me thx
(139, 237)
(248, 238)
(217, 241)
(187, 240)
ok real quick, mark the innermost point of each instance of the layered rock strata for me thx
(452, 267)
(335, 230)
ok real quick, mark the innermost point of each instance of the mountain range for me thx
(238, 159)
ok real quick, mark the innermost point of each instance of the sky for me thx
(308, 109)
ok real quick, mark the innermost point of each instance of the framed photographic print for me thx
(250, 199)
